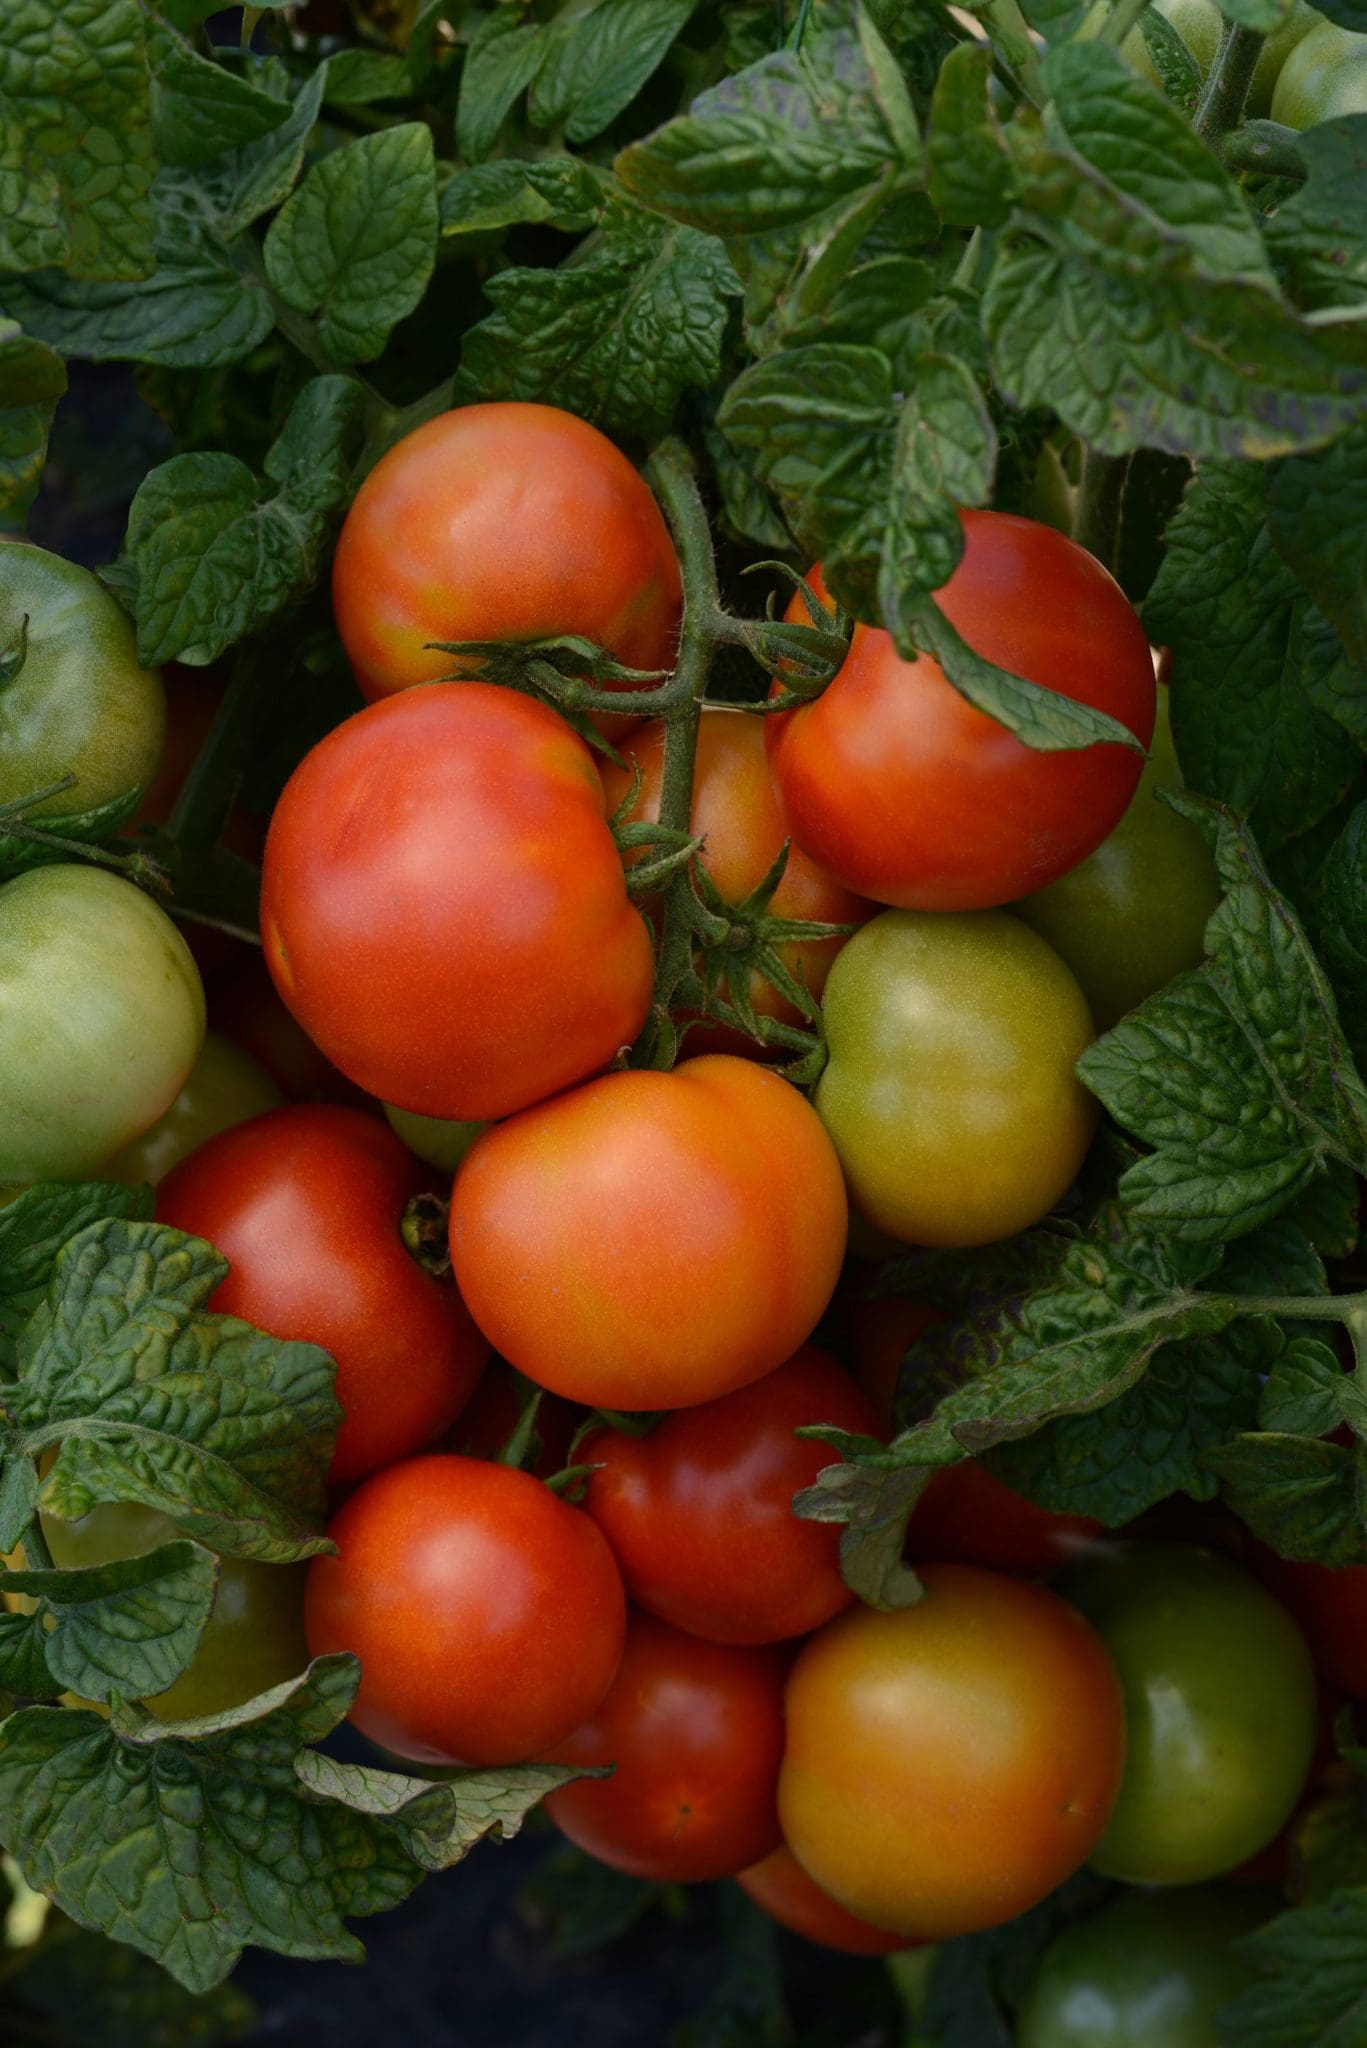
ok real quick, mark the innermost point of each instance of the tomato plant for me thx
(924, 1785)
(306, 1204)
(716, 1482)
(487, 1613)
(907, 793)
(950, 1092)
(458, 954)
(1219, 1704)
(694, 1731)
(557, 1248)
(1200, 24)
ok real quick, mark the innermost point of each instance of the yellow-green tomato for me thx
(1150, 1970)
(1324, 78)
(73, 700)
(1201, 24)
(432, 1138)
(950, 1093)
(1220, 1709)
(1133, 914)
(254, 1637)
(225, 1087)
(101, 1020)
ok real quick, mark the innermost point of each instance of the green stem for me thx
(1124, 16)
(17, 805)
(1266, 148)
(1010, 33)
(967, 268)
(1328, 1308)
(1100, 501)
(1221, 104)
(671, 473)
(136, 867)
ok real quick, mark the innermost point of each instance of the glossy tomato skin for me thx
(736, 812)
(254, 1637)
(1331, 1609)
(713, 1485)
(1150, 1970)
(306, 1203)
(695, 1730)
(1133, 915)
(782, 1889)
(487, 1612)
(79, 704)
(225, 1086)
(968, 1516)
(652, 1240)
(443, 908)
(949, 1764)
(101, 1020)
(502, 522)
(1220, 1705)
(950, 1092)
(897, 786)
(1323, 79)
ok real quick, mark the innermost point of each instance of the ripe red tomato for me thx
(782, 1888)
(502, 522)
(443, 907)
(306, 1203)
(900, 788)
(713, 1485)
(948, 1764)
(652, 1240)
(735, 810)
(487, 1613)
(1331, 1607)
(696, 1733)
(968, 1516)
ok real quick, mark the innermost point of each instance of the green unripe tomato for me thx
(432, 1138)
(101, 1020)
(77, 703)
(1150, 1970)
(1133, 914)
(1201, 24)
(1220, 1709)
(949, 1093)
(225, 1087)
(1324, 78)
(254, 1637)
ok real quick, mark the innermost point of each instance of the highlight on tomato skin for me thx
(781, 1888)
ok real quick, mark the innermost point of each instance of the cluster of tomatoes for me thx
(1309, 68)
(446, 914)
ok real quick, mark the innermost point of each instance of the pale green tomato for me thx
(1324, 79)
(1200, 24)
(226, 1086)
(101, 1020)
(1133, 914)
(432, 1138)
(254, 1637)
(78, 703)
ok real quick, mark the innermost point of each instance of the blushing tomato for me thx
(1331, 1608)
(968, 1516)
(502, 522)
(1133, 914)
(949, 1764)
(1147, 1971)
(101, 1020)
(735, 811)
(781, 1888)
(902, 790)
(950, 1091)
(443, 908)
(652, 1240)
(695, 1731)
(305, 1203)
(487, 1612)
(714, 1485)
(225, 1087)
(1220, 1707)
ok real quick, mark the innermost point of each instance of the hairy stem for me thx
(1221, 104)
(1267, 148)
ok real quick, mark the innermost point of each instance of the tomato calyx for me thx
(425, 1230)
(139, 867)
(571, 674)
(807, 657)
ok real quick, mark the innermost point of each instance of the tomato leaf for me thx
(243, 183)
(1317, 516)
(617, 334)
(18, 853)
(32, 380)
(1237, 1073)
(1341, 921)
(354, 246)
(129, 1627)
(969, 169)
(76, 157)
(213, 556)
(1312, 1987)
(1318, 235)
(87, 1989)
(24, 1668)
(33, 1229)
(199, 108)
(439, 1823)
(1266, 711)
(500, 62)
(191, 1855)
(226, 1430)
(1297, 1494)
(595, 63)
(556, 192)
